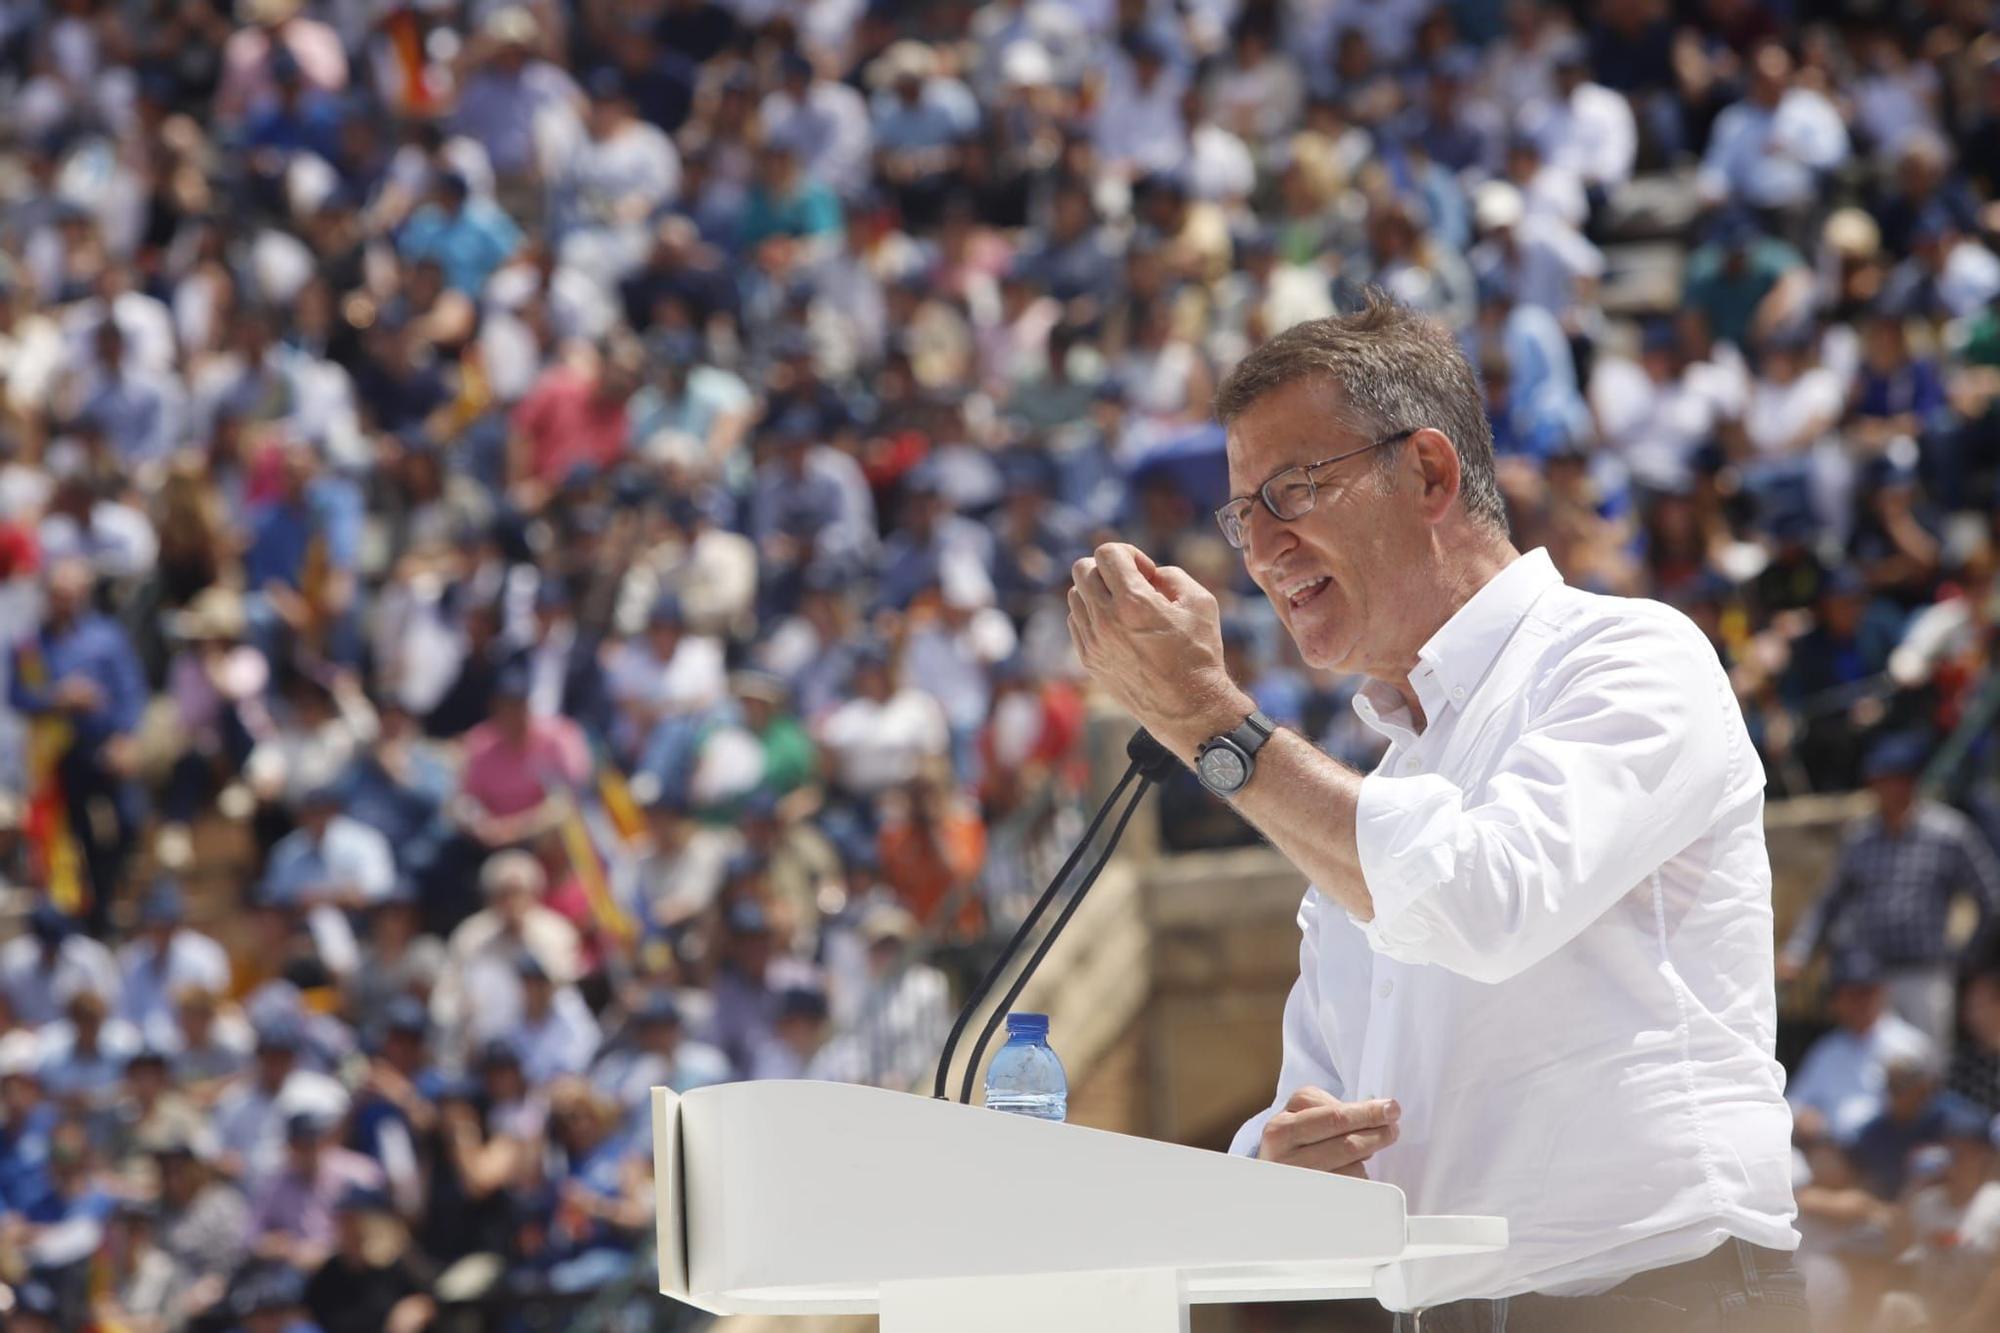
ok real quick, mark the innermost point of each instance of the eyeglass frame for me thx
(1263, 491)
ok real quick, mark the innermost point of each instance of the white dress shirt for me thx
(1567, 983)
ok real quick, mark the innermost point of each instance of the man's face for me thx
(511, 903)
(68, 590)
(1334, 573)
(1856, 1007)
(1894, 794)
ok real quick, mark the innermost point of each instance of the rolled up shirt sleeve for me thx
(1635, 749)
(1307, 1061)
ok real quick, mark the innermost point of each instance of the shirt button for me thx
(1384, 989)
(1458, 693)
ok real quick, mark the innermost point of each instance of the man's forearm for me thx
(1303, 800)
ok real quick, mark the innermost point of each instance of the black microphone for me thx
(1151, 762)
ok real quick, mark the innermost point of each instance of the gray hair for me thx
(1394, 370)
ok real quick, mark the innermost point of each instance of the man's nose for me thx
(1266, 538)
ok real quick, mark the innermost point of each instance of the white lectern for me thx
(824, 1198)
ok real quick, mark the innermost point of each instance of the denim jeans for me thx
(1738, 1288)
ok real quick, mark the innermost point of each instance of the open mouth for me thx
(1305, 590)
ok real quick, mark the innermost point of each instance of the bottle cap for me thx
(1027, 1025)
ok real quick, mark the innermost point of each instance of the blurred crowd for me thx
(532, 535)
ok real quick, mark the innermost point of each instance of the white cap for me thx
(1027, 64)
(20, 1053)
(1497, 205)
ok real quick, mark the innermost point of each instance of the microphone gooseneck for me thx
(1151, 762)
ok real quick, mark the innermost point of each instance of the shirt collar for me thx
(1456, 658)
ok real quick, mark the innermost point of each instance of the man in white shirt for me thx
(163, 960)
(1536, 974)
(1585, 129)
(1844, 1078)
(1770, 149)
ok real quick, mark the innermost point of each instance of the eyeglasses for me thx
(1291, 494)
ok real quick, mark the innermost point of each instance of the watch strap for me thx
(1251, 733)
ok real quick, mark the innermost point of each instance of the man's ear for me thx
(1438, 469)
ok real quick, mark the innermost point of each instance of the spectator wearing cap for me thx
(84, 1053)
(787, 206)
(565, 674)
(952, 639)
(1843, 1079)
(1830, 666)
(689, 411)
(398, 958)
(27, 1118)
(400, 786)
(656, 1051)
(212, 1043)
(58, 1232)
(1915, 1110)
(575, 420)
(507, 89)
(1031, 42)
(490, 1125)
(49, 964)
(1954, 1224)
(557, 1034)
(666, 684)
(809, 504)
(823, 122)
(1137, 125)
(895, 1021)
(251, 1117)
(276, 33)
(148, 1107)
(78, 678)
(371, 1282)
(304, 553)
(748, 974)
(813, 648)
(1893, 887)
(478, 995)
(1537, 257)
(1584, 128)
(330, 859)
(798, 1033)
(1076, 254)
(204, 1222)
(1657, 410)
(791, 761)
(608, 188)
(919, 114)
(140, 410)
(681, 868)
(518, 770)
(140, 1281)
(1947, 275)
(879, 736)
(1789, 421)
(292, 1211)
(1744, 281)
(393, 1112)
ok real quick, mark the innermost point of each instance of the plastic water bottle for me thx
(1025, 1077)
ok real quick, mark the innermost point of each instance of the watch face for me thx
(1223, 769)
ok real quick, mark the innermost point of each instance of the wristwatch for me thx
(1224, 763)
